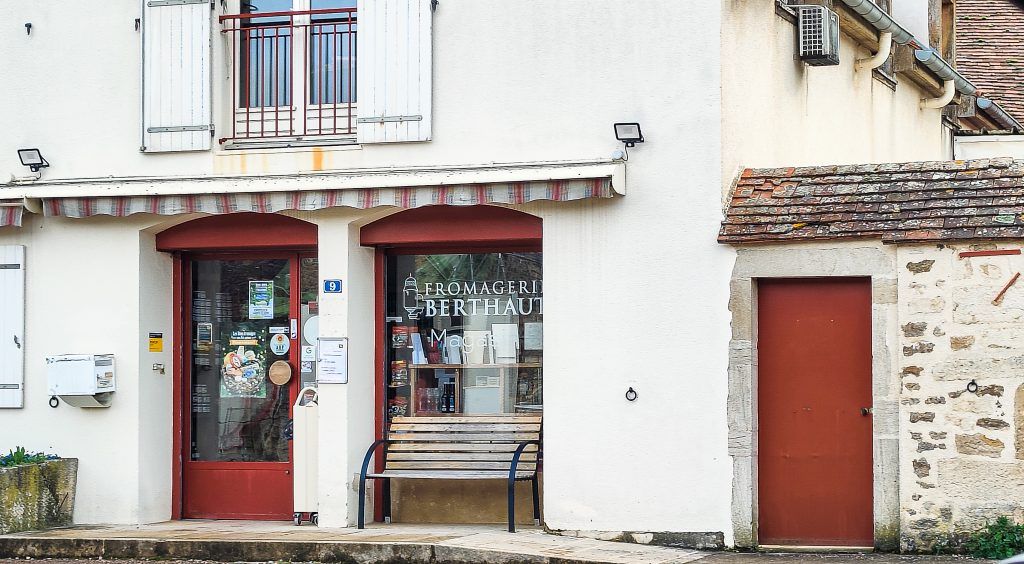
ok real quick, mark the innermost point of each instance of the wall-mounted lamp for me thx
(33, 159)
(629, 133)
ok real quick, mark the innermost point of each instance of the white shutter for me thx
(176, 81)
(393, 70)
(12, 326)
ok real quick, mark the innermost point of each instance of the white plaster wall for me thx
(777, 111)
(156, 400)
(513, 82)
(988, 146)
(83, 296)
(635, 287)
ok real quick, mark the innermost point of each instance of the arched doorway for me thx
(459, 334)
(245, 289)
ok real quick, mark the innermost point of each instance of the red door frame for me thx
(186, 427)
(236, 234)
(482, 229)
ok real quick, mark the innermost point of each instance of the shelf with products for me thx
(440, 389)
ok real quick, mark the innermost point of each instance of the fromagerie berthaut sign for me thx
(498, 297)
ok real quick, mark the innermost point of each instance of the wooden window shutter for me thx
(12, 326)
(176, 79)
(393, 92)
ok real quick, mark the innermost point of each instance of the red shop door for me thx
(241, 316)
(814, 440)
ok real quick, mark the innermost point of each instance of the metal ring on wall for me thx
(631, 394)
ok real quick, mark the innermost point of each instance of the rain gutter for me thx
(999, 115)
(881, 21)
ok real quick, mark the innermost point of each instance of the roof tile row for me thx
(897, 202)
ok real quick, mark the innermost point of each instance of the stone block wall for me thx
(961, 451)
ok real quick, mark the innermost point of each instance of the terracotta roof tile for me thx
(989, 49)
(896, 202)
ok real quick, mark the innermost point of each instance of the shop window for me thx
(464, 334)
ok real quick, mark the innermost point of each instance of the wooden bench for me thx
(458, 448)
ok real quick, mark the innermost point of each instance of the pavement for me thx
(259, 541)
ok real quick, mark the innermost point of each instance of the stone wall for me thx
(961, 451)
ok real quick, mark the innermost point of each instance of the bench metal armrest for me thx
(519, 452)
(369, 455)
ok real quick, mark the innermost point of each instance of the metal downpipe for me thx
(881, 55)
(948, 91)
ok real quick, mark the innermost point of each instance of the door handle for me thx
(865, 411)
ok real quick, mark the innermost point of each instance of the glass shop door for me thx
(244, 315)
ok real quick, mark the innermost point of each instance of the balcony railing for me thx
(293, 74)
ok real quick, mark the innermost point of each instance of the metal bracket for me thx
(176, 128)
(10, 266)
(388, 119)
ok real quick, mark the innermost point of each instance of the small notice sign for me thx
(333, 361)
(156, 342)
(332, 286)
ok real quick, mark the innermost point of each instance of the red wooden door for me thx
(241, 317)
(814, 440)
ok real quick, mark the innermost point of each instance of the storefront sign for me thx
(461, 299)
(333, 361)
(261, 299)
(156, 342)
(332, 286)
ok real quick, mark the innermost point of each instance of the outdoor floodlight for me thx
(629, 133)
(33, 159)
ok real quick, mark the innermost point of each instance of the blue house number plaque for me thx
(332, 286)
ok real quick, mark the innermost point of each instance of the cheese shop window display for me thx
(464, 334)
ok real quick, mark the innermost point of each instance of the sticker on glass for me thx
(261, 299)
(243, 372)
(280, 344)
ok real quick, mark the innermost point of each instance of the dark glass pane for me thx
(309, 318)
(240, 312)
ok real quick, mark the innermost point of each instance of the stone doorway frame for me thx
(814, 260)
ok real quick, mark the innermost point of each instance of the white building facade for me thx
(215, 168)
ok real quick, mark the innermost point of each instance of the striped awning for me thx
(308, 200)
(11, 212)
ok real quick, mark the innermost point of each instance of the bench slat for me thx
(461, 456)
(467, 427)
(470, 419)
(459, 437)
(450, 474)
(458, 447)
(455, 465)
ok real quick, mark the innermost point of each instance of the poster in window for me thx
(243, 372)
(261, 299)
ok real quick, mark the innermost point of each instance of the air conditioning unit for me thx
(818, 32)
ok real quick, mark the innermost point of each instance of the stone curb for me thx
(255, 551)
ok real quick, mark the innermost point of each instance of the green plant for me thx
(998, 540)
(19, 456)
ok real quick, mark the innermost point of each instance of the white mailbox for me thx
(82, 380)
